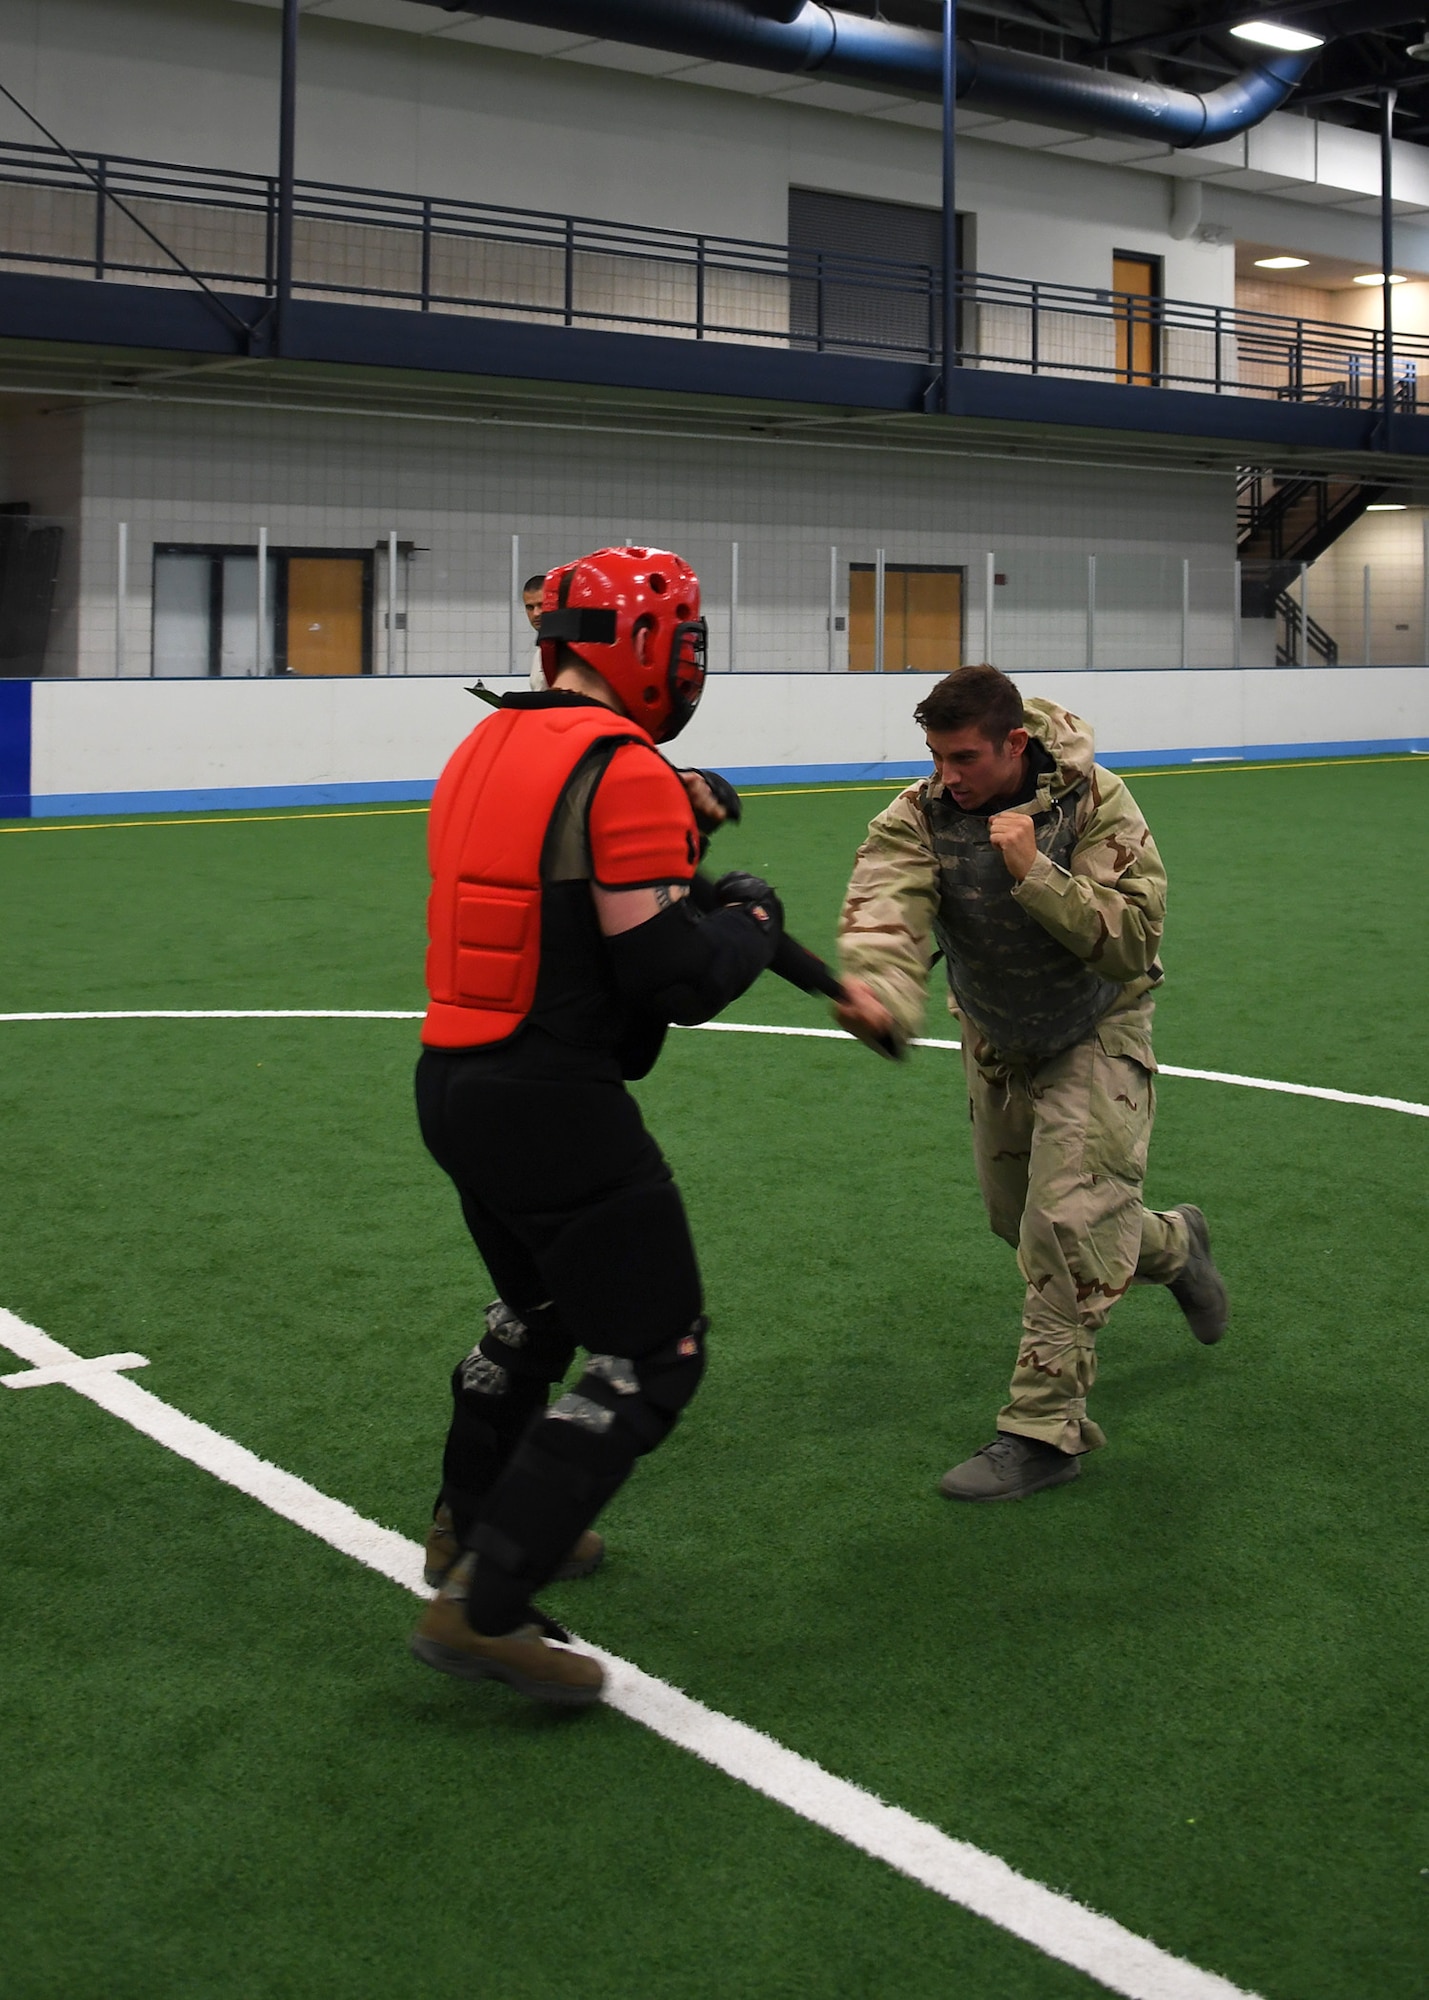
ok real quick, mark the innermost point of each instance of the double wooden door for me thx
(922, 618)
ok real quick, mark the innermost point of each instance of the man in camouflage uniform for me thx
(1032, 870)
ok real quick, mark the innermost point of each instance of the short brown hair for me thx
(978, 698)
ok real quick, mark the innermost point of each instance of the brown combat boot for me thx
(1010, 1468)
(1200, 1290)
(523, 1659)
(443, 1548)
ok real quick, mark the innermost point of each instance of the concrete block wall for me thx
(459, 493)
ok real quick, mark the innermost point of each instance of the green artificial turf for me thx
(1181, 1690)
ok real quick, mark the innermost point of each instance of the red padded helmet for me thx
(611, 608)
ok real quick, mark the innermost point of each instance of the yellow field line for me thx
(1212, 768)
(208, 819)
(1217, 765)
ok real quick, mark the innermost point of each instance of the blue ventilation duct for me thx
(804, 38)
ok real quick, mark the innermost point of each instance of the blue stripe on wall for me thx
(254, 798)
(14, 749)
(230, 798)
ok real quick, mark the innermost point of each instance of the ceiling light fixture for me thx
(1281, 263)
(1377, 278)
(1386, 506)
(1272, 35)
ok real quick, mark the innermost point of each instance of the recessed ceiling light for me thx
(1386, 506)
(1272, 35)
(1281, 263)
(1377, 278)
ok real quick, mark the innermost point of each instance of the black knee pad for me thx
(578, 1454)
(633, 1402)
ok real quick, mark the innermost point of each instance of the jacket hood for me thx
(1067, 739)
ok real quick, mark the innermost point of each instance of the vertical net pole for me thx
(1303, 649)
(392, 602)
(1185, 612)
(1368, 646)
(513, 604)
(734, 607)
(260, 606)
(121, 596)
(1235, 613)
(880, 585)
(833, 604)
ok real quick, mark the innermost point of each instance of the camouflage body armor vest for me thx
(1027, 994)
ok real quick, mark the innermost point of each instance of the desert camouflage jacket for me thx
(1097, 890)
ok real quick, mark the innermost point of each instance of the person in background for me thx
(531, 604)
(1032, 870)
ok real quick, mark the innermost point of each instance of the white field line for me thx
(954, 1869)
(1404, 1104)
(67, 1371)
(1164, 1069)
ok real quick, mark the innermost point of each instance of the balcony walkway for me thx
(397, 281)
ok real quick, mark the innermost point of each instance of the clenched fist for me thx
(1015, 838)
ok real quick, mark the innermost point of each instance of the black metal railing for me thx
(432, 253)
(1301, 640)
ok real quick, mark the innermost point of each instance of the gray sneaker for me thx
(1009, 1468)
(1200, 1290)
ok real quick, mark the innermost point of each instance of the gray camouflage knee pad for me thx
(635, 1402)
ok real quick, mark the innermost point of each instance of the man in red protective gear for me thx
(563, 942)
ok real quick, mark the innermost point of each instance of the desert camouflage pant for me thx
(1061, 1154)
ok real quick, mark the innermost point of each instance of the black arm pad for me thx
(681, 966)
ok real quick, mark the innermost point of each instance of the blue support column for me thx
(287, 167)
(14, 749)
(950, 205)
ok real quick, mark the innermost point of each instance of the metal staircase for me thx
(1292, 649)
(1282, 523)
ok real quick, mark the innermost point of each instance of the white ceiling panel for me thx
(837, 96)
(1203, 163)
(1018, 132)
(1313, 195)
(620, 55)
(1114, 152)
(514, 35)
(401, 14)
(1258, 183)
(1361, 205)
(732, 76)
(926, 117)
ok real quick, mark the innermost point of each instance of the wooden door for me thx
(1136, 282)
(932, 622)
(860, 618)
(922, 619)
(325, 614)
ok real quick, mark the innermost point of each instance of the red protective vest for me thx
(490, 814)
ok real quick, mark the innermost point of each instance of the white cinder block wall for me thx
(460, 492)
